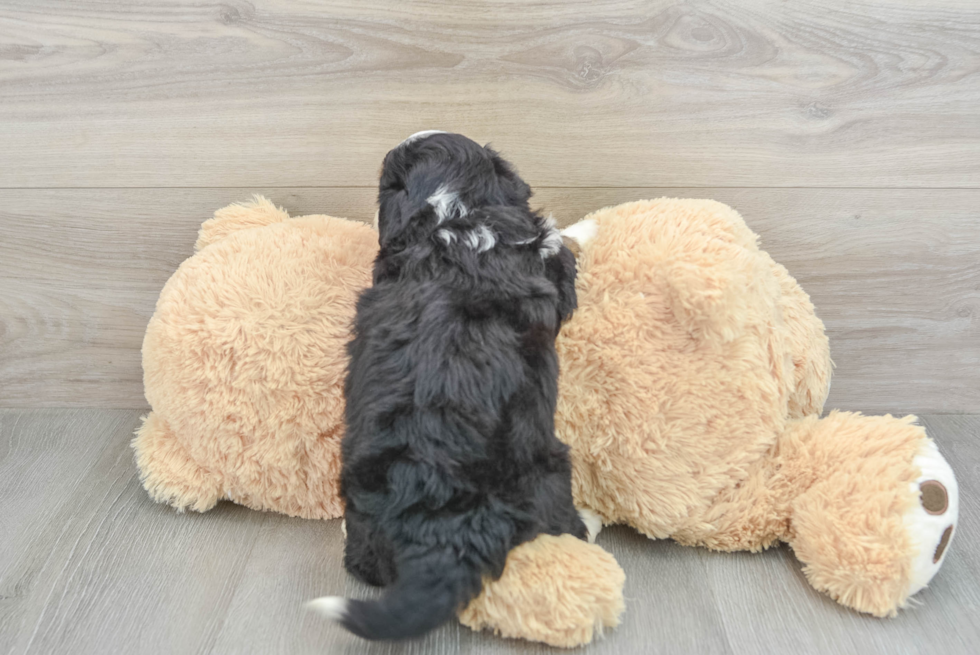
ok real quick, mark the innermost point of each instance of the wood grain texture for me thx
(895, 274)
(581, 93)
(88, 565)
(847, 134)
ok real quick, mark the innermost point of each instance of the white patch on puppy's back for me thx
(447, 204)
(447, 236)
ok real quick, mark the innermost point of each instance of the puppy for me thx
(450, 457)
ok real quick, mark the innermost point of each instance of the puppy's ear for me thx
(395, 205)
(560, 269)
(516, 191)
(397, 214)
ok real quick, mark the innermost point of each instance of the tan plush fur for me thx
(243, 361)
(692, 375)
(691, 378)
(676, 368)
(559, 590)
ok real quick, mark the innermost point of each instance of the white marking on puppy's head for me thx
(447, 205)
(331, 607)
(551, 244)
(420, 135)
(480, 239)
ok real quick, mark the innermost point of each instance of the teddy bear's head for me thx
(695, 372)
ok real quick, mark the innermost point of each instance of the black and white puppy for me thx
(450, 458)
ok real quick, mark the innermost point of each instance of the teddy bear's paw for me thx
(582, 232)
(557, 590)
(168, 472)
(592, 521)
(931, 522)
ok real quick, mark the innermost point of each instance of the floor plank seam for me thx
(537, 186)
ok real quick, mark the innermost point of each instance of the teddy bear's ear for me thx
(239, 216)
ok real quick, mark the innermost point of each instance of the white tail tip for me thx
(331, 607)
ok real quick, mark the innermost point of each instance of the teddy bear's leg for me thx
(867, 503)
(556, 590)
(875, 524)
(168, 473)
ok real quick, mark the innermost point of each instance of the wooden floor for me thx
(88, 565)
(846, 133)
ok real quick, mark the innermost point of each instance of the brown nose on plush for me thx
(943, 542)
(934, 498)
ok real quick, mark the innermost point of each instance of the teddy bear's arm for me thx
(809, 347)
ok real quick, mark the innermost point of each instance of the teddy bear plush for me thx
(693, 376)
(692, 379)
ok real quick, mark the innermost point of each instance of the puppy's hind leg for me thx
(367, 555)
(553, 505)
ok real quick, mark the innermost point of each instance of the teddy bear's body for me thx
(692, 377)
(694, 415)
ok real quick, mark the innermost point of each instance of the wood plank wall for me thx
(847, 134)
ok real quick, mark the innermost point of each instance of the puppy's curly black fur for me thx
(450, 458)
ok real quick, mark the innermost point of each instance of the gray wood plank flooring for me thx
(89, 565)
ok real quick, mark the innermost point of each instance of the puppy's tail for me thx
(430, 589)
